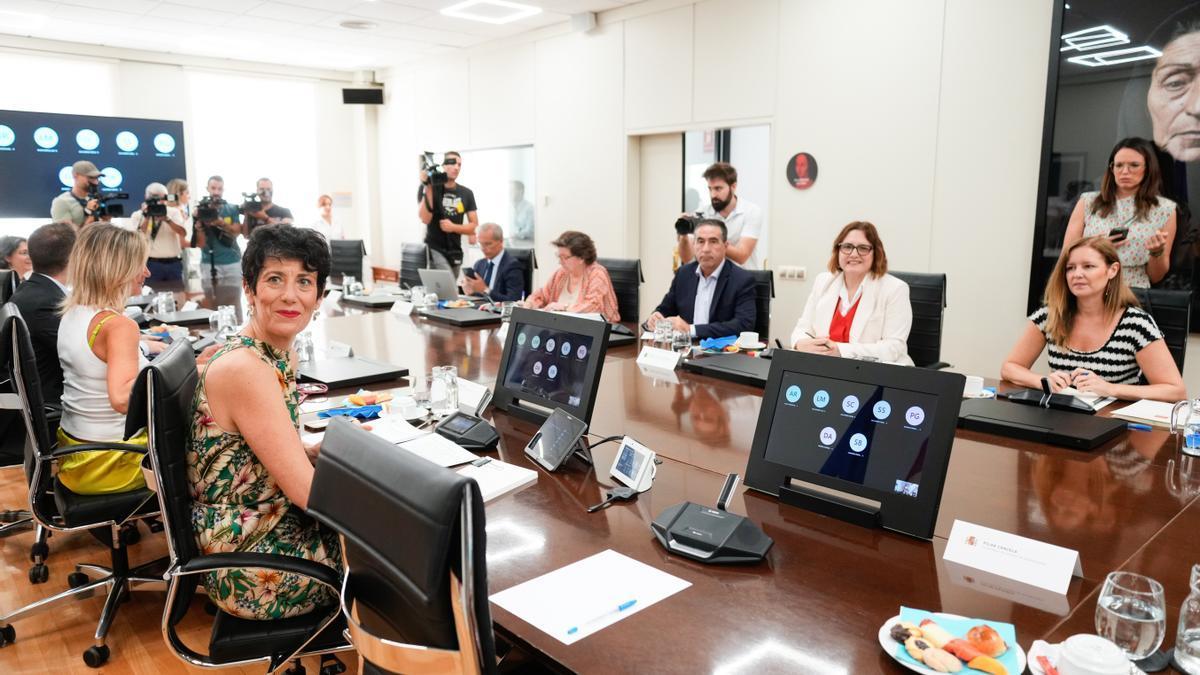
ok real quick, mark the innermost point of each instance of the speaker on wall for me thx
(373, 96)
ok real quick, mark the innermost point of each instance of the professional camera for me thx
(686, 224)
(209, 209)
(433, 172)
(105, 207)
(251, 203)
(156, 207)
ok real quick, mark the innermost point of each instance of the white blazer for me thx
(881, 323)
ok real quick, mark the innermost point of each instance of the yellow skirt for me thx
(100, 472)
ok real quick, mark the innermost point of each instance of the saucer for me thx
(756, 345)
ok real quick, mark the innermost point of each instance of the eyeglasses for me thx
(863, 249)
(565, 258)
(1132, 166)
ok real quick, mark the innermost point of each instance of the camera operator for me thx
(163, 226)
(79, 205)
(268, 213)
(742, 219)
(447, 221)
(217, 226)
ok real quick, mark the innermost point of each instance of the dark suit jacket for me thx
(733, 309)
(508, 282)
(39, 299)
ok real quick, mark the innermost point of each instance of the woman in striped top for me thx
(1099, 339)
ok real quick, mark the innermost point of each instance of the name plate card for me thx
(659, 359)
(402, 307)
(1028, 561)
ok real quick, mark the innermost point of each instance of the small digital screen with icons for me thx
(38, 149)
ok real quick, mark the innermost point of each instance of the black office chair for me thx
(74, 512)
(927, 295)
(8, 284)
(413, 257)
(347, 257)
(764, 291)
(161, 402)
(1172, 311)
(415, 547)
(526, 257)
(626, 275)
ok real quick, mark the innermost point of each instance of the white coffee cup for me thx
(1086, 654)
(973, 387)
(748, 339)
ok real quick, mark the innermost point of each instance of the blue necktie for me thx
(487, 276)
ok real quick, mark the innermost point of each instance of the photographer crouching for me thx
(163, 226)
(217, 224)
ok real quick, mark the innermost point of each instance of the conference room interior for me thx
(961, 129)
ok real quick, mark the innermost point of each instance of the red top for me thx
(839, 327)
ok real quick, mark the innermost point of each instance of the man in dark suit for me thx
(710, 296)
(41, 296)
(499, 275)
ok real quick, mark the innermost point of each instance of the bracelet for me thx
(1156, 254)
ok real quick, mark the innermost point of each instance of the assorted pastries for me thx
(935, 647)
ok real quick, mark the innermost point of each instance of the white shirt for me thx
(846, 301)
(745, 220)
(706, 287)
(58, 283)
(87, 413)
(166, 243)
(329, 231)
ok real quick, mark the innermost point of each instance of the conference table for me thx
(817, 602)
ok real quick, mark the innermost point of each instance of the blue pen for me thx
(620, 608)
(1139, 427)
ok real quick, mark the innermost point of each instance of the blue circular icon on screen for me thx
(87, 139)
(821, 398)
(66, 176)
(7, 137)
(164, 143)
(828, 436)
(882, 410)
(552, 372)
(111, 178)
(535, 342)
(520, 338)
(45, 137)
(915, 416)
(566, 348)
(850, 404)
(858, 443)
(793, 394)
(127, 141)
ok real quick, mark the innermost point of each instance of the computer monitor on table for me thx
(550, 361)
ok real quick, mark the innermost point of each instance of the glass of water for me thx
(681, 341)
(662, 334)
(348, 284)
(431, 301)
(506, 309)
(445, 390)
(418, 296)
(1187, 640)
(164, 302)
(304, 348)
(226, 321)
(1132, 613)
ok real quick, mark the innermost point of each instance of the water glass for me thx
(348, 282)
(662, 334)
(444, 391)
(226, 321)
(681, 341)
(506, 309)
(1132, 613)
(418, 296)
(431, 301)
(164, 302)
(304, 348)
(1187, 640)
(422, 391)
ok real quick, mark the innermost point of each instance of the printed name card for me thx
(337, 350)
(334, 296)
(402, 307)
(1007, 555)
(659, 359)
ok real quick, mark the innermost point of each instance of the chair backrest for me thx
(764, 290)
(409, 528)
(161, 403)
(21, 365)
(347, 257)
(529, 262)
(927, 295)
(626, 275)
(413, 257)
(8, 284)
(1172, 311)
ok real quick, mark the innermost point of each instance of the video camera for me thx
(106, 209)
(209, 209)
(686, 224)
(156, 206)
(251, 203)
(432, 170)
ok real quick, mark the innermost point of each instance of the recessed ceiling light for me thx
(491, 11)
(1117, 57)
(358, 24)
(1094, 38)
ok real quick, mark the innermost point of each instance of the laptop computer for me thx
(349, 371)
(1043, 425)
(375, 300)
(441, 282)
(738, 368)
(462, 316)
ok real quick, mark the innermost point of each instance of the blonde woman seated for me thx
(580, 284)
(98, 348)
(856, 309)
(1099, 340)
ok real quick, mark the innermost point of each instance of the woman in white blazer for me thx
(856, 309)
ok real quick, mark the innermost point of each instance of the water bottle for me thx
(1190, 426)
(1187, 640)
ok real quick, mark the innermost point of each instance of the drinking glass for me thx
(1187, 640)
(662, 334)
(418, 296)
(681, 341)
(164, 302)
(1132, 613)
(422, 391)
(304, 347)
(444, 390)
(226, 321)
(431, 301)
(506, 309)
(348, 285)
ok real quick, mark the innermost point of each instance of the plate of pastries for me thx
(932, 643)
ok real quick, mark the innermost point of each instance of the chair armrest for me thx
(123, 447)
(271, 561)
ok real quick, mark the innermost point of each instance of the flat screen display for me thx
(863, 433)
(629, 462)
(459, 424)
(549, 364)
(556, 440)
(38, 149)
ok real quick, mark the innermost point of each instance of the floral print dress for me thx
(1134, 255)
(238, 506)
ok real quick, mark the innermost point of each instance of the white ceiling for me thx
(292, 32)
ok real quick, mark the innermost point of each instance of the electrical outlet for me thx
(792, 273)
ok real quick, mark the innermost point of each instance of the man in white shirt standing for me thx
(164, 227)
(743, 220)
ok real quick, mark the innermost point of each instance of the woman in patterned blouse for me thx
(1099, 340)
(1129, 210)
(249, 470)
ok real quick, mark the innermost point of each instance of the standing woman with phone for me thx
(1130, 210)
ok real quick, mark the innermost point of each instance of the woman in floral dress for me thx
(250, 473)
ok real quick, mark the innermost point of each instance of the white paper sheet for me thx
(439, 450)
(1149, 412)
(586, 595)
(394, 429)
(497, 478)
(1094, 400)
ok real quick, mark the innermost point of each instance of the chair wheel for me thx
(38, 574)
(96, 656)
(331, 665)
(39, 551)
(8, 635)
(77, 579)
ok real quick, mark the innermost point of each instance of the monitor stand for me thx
(829, 502)
(583, 452)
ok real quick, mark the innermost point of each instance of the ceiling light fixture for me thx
(358, 24)
(1094, 38)
(491, 11)
(1117, 57)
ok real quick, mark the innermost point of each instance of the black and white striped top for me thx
(1116, 360)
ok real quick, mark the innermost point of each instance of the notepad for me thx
(584, 597)
(498, 478)
(439, 450)
(1149, 412)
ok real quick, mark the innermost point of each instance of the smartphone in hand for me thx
(1118, 233)
(469, 272)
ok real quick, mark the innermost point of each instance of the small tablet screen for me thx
(629, 462)
(556, 440)
(459, 424)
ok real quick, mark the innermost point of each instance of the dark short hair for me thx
(214, 177)
(286, 242)
(452, 152)
(579, 244)
(9, 246)
(723, 171)
(713, 222)
(50, 247)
